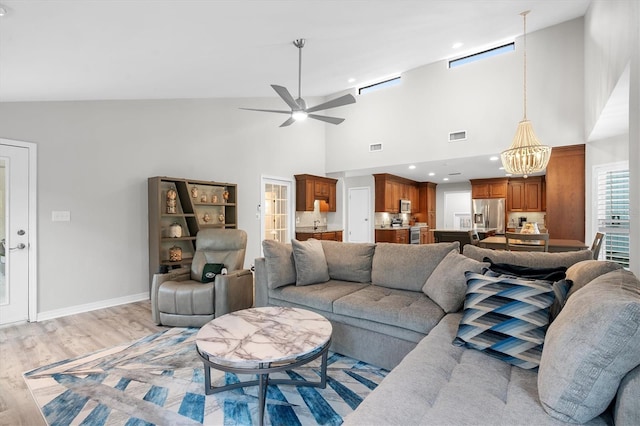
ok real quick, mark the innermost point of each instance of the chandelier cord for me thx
(524, 84)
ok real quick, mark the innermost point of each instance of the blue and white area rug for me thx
(160, 380)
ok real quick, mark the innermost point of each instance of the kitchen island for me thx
(499, 242)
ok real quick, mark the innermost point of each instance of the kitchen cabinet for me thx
(426, 236)
(426, 211)
(390, 189)
(525, 195)
(310, 188)
(398, 236)
(489, 188)
(320, 235)
(565, 193)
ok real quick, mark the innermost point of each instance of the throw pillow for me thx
(311, 264)
(349, 261)
(590, 347)
(447, 285)
(279, 263)
(506, 317)
(582, 273)
(524, 258)
(210, 270)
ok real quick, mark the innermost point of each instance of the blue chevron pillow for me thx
(506, 317)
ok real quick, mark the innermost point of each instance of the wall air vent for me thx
(455, 174)
(458, 136)
(374, 147)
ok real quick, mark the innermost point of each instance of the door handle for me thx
(20, 246)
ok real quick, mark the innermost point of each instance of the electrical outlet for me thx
(297, 219)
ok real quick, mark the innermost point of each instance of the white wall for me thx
(484, 98)
(94, 159)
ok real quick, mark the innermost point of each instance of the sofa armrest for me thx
(262, 289)
(180, 274)
(233, 292)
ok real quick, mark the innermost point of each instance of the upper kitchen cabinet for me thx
(310, 188)
(525, 195)
(391, 189)
(565, 193)
(489, 188)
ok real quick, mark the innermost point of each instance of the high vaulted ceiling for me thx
(167, 49)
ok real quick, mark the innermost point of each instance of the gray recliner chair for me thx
(180, 299)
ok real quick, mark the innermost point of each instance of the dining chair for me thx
(473, 237)
(597, 243)
(525, 242)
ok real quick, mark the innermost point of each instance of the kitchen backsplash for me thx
(385, 218)
(304, 219)
(513, 219)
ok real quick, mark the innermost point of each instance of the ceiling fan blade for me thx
(332, 120)
(289, 121)
(337, 102)
(267, 110)
(286, 96)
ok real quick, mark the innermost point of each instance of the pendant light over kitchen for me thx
(526, 154)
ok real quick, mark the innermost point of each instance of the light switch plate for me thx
(60, 216)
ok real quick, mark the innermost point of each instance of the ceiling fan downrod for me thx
(299, 43)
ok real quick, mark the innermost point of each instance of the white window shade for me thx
(612, 212)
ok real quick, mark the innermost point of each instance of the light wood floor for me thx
(27, 346)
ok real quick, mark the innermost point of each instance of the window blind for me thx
(613, 214)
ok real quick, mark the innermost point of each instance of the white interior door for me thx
(14, 224)
(359, 215)
(276, 210)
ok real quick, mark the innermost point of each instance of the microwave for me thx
(405, 206)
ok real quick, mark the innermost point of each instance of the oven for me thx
(414, 235)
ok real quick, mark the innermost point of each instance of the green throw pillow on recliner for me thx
(210, 270)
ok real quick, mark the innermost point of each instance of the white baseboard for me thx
(71, 310)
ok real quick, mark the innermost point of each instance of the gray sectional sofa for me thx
(403, 307)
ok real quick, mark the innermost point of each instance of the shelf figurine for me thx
(225, 195)
(194, 192)
(214, 198)
(171, 201)
(203, 199)
(206, 218)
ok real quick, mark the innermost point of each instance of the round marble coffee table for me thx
(263, 341)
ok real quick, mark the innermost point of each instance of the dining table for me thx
(556, 245)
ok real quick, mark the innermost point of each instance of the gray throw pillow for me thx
(279, 263)
(311, 264)
(582, 273)
(447, 285)
(349, 261)
(590, 347)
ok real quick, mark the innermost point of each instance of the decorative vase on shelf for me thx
(530, 228)
(175, 254)
(214, 198)
(175, 230)
(171, 201)
(221, 218)
(203, 198)
(194, 192)
(206, 218)
(225, 195)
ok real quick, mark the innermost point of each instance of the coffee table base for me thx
(263, 370)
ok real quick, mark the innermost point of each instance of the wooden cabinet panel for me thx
(489, 188)
(565, 193)
(329, 235)
(398, 236)
(310, 188)
(525, 195)
(390, 189)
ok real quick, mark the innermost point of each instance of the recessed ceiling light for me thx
(352, 80)
(500, 168)
(3, 11)
(445, 179)
(431, 174)
(457, 45)
(508, 174)
(411, 167)
(494, 158)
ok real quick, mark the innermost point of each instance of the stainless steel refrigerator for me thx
(489, 214)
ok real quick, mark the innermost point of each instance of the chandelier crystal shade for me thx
(526, 155)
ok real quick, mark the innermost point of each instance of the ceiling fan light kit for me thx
(299, 110)
(526, 154)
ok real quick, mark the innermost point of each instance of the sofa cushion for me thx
(316, 296)
(407, 266)
(525, 258)
(279, 263)
(349, 261)
(400, 308)
(627, 408)
(506, 317)
(447, 285)
(311, 264)
(590, 347)
(441, 384)
(584, 272)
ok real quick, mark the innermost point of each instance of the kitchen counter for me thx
(499, 242)
(303, 233)
(317, 229)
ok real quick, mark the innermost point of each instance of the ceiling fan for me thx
(299, 110)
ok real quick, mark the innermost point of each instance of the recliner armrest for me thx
(233, 291)
(180, 274)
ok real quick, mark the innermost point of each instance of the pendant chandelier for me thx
(526, 154)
